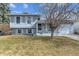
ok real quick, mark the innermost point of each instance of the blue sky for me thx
(24, 7)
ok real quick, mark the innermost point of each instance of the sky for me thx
(24, 7)
(32, 8)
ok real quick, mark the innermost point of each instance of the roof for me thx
(41, 21)
(23, 14)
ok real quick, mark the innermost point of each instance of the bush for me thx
(1, 33)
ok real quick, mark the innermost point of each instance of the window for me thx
(34, 18)
(18, 19)
(23, 20)
(29, 31)
(39, 27)
(29, 20)
(13, 31)
(19, 30)
(12, 19)
(38, 18)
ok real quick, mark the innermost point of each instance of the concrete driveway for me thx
(73, 36)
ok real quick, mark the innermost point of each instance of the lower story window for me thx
(19, 30)
(13, 31)
(29, 31)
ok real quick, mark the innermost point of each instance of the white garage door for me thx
(65, 29)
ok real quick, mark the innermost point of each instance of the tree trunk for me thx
(52, 32)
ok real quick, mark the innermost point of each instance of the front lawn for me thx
(38, 46)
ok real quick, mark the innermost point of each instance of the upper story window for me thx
(34, 18)
(18, 19)
(24, 19)
(12, 19)
(29, 20)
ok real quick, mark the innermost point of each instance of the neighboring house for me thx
(31, 24)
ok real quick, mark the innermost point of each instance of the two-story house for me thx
(23, 23)
(31, 24)
(28, 24)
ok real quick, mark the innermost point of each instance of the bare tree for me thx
(76, 12)
(57, 14)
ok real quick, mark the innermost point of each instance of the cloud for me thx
(42, 4)
(36, 13)
(12, 5)
(25, 5)
(15, 12)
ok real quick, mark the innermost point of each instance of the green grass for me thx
(38, 46)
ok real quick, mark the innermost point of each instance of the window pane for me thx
(12, 19)
(29, 31)
(29, 20)
(18, 19)
(39, 27)
(23, 20)
(19, 30)
(34, 18)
